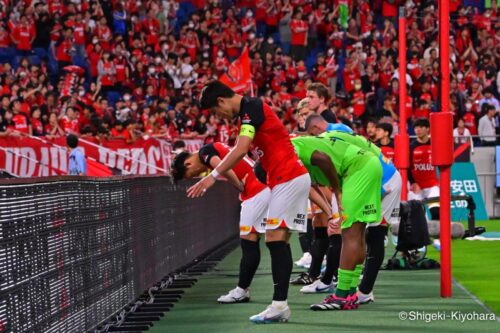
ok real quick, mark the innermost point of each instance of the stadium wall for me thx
(74, 250)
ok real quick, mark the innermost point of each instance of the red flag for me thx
(96, 169)
(238, 76)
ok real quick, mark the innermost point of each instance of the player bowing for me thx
(254, 199)
(334, 162)
(286, 177)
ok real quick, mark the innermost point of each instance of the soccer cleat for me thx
(304, 261)
(237, 295)
(317, 287)
(302, 280)
(332, 302)
(353, 301)
(272, 314)
(365, 298)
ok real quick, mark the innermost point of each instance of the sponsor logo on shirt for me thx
(369, 209)
(424, 167)
(272, 221)
(300, 219)
(245, 228)
(246, 119)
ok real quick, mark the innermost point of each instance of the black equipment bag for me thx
(413, 231)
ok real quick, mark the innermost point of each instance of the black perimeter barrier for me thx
(75, 250)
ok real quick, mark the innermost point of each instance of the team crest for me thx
(234, 73)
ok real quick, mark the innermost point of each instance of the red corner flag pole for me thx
(442, 147)
(402, 140)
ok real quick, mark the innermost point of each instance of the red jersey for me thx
(22, 34)
(470, 122)
(37, 127)
(422, 171)
(271, 142)
(69, 126)
(63, 51)
(359, 105)
(223, 134)
(387, 150)
(21, 123)
(243, 169)
(299, 32)
(79, 33)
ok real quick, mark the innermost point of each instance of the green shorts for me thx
(361, 201)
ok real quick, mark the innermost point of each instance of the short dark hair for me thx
(211, 92)
(72, 141)
(314, 118)
(179, 144)
(178, 167)
(372, 120)
(321, 90)
(385, 127)
(422, 122)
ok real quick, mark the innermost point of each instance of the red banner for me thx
(36, 157)
(238, 75)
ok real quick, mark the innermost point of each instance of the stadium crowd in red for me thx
(144, 62)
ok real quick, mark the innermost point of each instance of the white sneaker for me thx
(305, 260)
(237, 295)
(274, 313)
(365, 298)
(317, 287)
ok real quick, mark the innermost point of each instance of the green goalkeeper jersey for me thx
(346, 158)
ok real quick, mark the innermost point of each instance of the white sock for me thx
(280, 304)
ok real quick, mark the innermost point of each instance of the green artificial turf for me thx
(395, 292)
(476, 266)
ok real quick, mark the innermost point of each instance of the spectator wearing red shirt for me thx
(64, 49)
(234, 43)
(358, 99)
(104, 34)
(248, 23)
(299, 29)
(192, 44)
(23, 35)
(36, 123)
(151, 27)
(80, 29)
(107, 73)
(21, 122)
(4, 37)
(272, 13)
(69, 122)
(260, 15)
(122, 72)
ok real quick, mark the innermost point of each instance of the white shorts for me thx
(254, 212)
(288, 204)
(425, 193)
(391, 201)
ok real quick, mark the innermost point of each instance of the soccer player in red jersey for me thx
(254, 203)
(423, 178)
(286, 176)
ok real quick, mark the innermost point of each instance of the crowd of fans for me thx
(143, 63)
